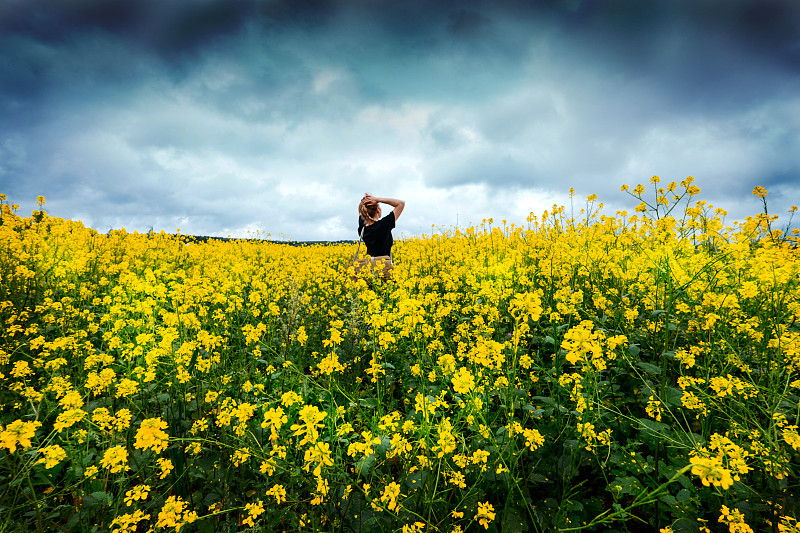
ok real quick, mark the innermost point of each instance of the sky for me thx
(272, 118)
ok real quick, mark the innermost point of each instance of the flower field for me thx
(578, 371)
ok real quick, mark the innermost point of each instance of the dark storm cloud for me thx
(169, 27)
(217, 111)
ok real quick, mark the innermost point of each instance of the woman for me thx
(376, 232)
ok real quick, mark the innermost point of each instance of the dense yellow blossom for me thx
(151, 435)
(18, 433)
(53, 455)
(610, 354)
(115, 459)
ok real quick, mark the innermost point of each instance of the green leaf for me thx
(649, 368)
(686, 483)
(416, 480)
(513, 520)
(96, 499)
(652, 427)
(372, 403)
(674, 396)
(365, 465)
(535, 413)
(384, 446)
(547, 400)
(683, 525)
(192, 362)
(625, 485)
(669, 499)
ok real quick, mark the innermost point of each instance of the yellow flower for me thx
(240, 456)
(390, 494)
(278, 492)
(139, 492)
(734, 520)
(711, 472)
(115, 459)
(268, 467)
(122, 420)
(485, 514)
(317, 456)
(290, 398)
(52, 455)
(253, 511)
(211, 396)
(166, 467)
(103, 418)
(174, 514)
(791, 436)
(126, 387)
(330, 364)
(463, 382)
(71, 400)
(312, 421)
(18, 432)
(194, 448)
(151, 435)
(446, 444)
(199, 426)
(128, 523)
(21, 370)
(533, 439)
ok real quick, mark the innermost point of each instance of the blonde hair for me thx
(367, 212)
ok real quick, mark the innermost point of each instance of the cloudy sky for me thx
(223, 117)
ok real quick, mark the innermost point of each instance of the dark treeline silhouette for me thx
(206, 238)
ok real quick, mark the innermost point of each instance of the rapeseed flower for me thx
(240, 456)
(151, 435)
(734, 520)
(115, 459)
(485, 514)
(128, 522)
(311, 419)
(317, 456)
(469, 338)
(175, 513)
(53, 455)
(253, 511)
(463, 381)
(278, 492)
(166, 466)
(389, 496)
(290, 398)
(533, 439)
(711, 472)
(137, 493)
(18, 433)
